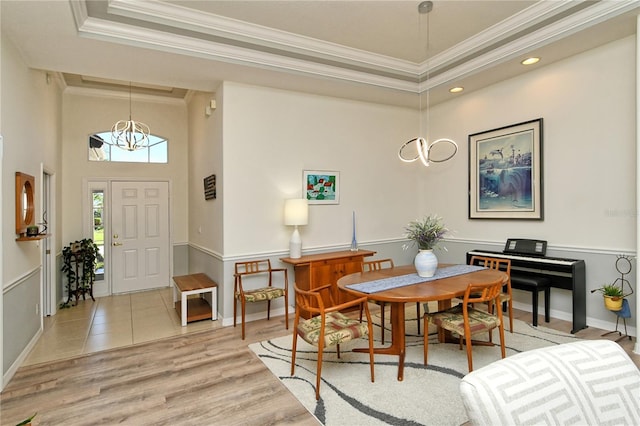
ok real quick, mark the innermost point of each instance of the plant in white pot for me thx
(426, 234)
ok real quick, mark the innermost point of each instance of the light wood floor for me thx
(202, 378)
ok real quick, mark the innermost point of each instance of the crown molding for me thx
(176, 16)
(586, 18)
(113, 94)
(491, 36)
(307, 56)
(162, 41)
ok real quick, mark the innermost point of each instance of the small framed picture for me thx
(321, 186)
(210, 187)
(505, 172)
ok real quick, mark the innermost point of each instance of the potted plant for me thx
(78, 263)
(426, 234)
(33, 231)
(613, 296)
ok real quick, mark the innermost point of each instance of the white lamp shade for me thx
(296, 211)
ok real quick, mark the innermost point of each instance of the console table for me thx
(320, 269)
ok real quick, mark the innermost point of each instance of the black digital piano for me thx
(528, 257)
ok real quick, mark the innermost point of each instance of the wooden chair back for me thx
(483, 293)
(252, 267)
(376, 265)
(337, 327)
(503, 265)
(259, 287)
(313, 301)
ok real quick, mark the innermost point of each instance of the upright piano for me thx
(567, 274)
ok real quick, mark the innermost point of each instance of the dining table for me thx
(401, 284)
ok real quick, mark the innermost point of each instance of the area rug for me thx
(428, 395)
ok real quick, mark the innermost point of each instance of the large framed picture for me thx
(321, 186)
(505, 172)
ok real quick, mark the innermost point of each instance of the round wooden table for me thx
(441, 290)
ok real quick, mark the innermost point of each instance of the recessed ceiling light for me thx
(457, 89)
(530, 61)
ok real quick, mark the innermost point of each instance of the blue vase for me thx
(426, 263)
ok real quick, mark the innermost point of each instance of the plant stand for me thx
(624, 321)
(79, 261)
(76, 287)
(623, 265)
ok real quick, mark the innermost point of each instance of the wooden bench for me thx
(195, 308)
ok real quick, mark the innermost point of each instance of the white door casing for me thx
(139, 236)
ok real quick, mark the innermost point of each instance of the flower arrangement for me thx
(426, 233)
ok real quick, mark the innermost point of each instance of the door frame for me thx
(88, 185)
(48, 302)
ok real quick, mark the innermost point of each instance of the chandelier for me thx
(426, 151)
(128, 134)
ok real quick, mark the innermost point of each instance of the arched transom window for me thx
(101, 150)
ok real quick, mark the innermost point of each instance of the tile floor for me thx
(111, 322)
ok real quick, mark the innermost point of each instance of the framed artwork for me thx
(210, 187)
(321, 186)
(505, 172)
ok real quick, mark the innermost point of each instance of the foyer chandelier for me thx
(128, 134)
(425, 151)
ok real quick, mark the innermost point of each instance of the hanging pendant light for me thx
(128, 134)
(423, 148)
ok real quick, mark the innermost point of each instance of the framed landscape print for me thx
(321, 186)
(505, 172)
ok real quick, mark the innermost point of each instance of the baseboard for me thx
(21, 358)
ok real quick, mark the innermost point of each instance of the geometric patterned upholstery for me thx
(338, 329)
(259, 294)
(452, 319)
(591, 382)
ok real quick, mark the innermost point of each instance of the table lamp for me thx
(296, 212)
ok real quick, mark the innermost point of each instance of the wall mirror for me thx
(25, 188)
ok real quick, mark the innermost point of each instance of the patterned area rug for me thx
(428, 395)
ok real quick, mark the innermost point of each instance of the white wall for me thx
(271, 136)
(205, 159)
(587, 103)
(85, 113)
(588, 109)
(30, 117)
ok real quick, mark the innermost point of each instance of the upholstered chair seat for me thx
(338, 329)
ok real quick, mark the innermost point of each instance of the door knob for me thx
(117, 244)
(115, 235)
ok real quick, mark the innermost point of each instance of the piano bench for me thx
(534, 284)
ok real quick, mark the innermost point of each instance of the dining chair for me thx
(327, 326)
(465, 321)
(255, 274)
(503, 265)
(376, 265)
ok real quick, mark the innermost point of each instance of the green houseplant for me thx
(79, 261)
(426, 234)
(27, 421)
(613, 296)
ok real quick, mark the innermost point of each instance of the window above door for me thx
(100, 150)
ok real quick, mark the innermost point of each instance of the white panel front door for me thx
(140, 236)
